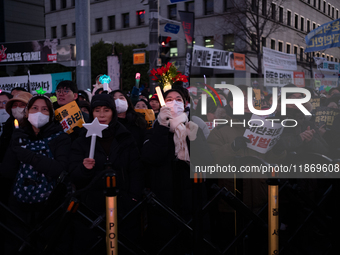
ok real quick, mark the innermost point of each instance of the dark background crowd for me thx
(153, 157)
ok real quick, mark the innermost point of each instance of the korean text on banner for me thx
(69, 117)
(278, 60)
(217, 59)
(264, 136)
(324, 37)
(277, 78)
(149, 116)
(325, 116)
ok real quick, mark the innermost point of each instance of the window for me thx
(73, 3)
(295, 50)
(209, 41)
(323, 55)
(308, 26)
(173, 49)
(333, 12)
(228, 4)
(332, 58)
(308, 1)
(208, 7)
(172, 11)
(302, 23)
(327, 57)
(99, 24)
(63, 30)
(314, 25)
(140, 17)
(54, 32)
(296, 21)
(301, 54)
(324, 6)
(53, 5)
(335, 60)
(273, 6)
(281, 15)
(254, 6)
(329, 10)
(229, 43)
(288, 48)
(319, 4)
(281, 46)
(289, 18)
(190, 6)
(264, 7)
(337, 14)
(264, 42)
(126, 20)
(272, 44)
(73, 28)
(63, 4)
(112, 22)
(314, 3)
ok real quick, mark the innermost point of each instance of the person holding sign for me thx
(116, 148)
(228, 142)
(38, 154)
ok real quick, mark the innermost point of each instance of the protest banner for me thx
(149, 116)
(69, 116)
(277, 78)
(48, 82)
(262, 135)
(324, 37)
(258, 99)
(278, 60)
(218, 59)
(43, 51)
(315, 102)
(325, 79)
(325, 116)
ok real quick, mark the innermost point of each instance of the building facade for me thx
(127, 22)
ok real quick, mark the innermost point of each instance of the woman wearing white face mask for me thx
(14, 107)
(132, 121)
(166, 155)
(38, 154)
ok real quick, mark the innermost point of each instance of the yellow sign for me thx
(149, 116)
(69, 117)
(139, 58)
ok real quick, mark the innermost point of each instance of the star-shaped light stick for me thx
(40, 91)
(105, 80)
(94, 129)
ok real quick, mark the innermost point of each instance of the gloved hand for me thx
(164, 116)
(240, 142)
(279, 147)
(191, 130)
(19, 144)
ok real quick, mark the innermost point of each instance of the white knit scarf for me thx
(177, 126)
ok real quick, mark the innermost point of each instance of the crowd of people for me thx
(35, 151)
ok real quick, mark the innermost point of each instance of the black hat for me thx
(104, 100)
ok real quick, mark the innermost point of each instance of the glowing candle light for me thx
(160, 96)
(16, 123)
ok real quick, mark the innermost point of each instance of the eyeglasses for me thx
(3, 102)
(60, 91)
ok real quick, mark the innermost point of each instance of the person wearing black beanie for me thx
(116, 149)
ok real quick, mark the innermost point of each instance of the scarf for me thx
(179, 129)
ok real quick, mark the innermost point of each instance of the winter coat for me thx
(253, 191)
(167, 176)
(51, 168)
(6, 135)
(125, 160)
